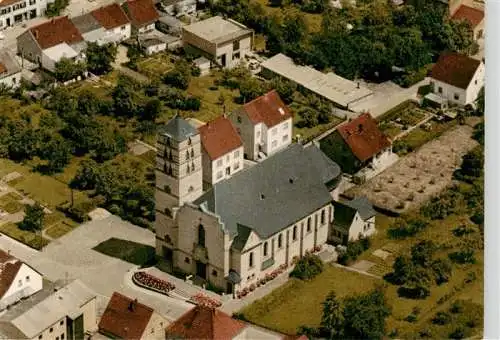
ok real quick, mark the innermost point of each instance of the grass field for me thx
(27, 237)
(133, 252)
(155, 66)
(420, 136)
(60, 228)
(313, 20)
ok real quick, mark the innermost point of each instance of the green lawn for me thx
(298, 303)
(309, 133)
(420, 136)
(10, 203)
(27, 237)
(61, 228)
(154, 67)
(133, 252)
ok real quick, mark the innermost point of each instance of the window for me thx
(236, 55)
(440, 89)
(192, 166)
(32, 2)
(228, 171)
(274, 144)
(201, 235)
(188, 168)
(187, 154)
(123, 28)
(190, 188)
(28, 278)
(236, 166)
(152, 331)
(294, 233)
(228, 158)
(236, 153)
(57, 338)
(167, 189)
(219, 174)
(236, 45)
(285, 138)
(168, 239)
(274, 131)
(219, 162)
(192, 153)
(214, 272)
(250, 260)
(280, 240)
(322, 216)
(309, 224)
(285, 126)
(51, 330)
(62, 336)
(187, 260)
(168, 212)
(475, 82)
(40, 336)
(189, 141)
(61, 323)
(265, 248)
(456, 96)
(168, 141)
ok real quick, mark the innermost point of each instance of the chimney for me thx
(132, 305)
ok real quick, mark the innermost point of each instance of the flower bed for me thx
(272, 275)
(151, 282)
(203, 300)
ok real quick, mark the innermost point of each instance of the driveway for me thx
(72, 256)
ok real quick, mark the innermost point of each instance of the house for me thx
(207, 323)
(340, 92)
(457, 78)
(247, 225)
(67, 314)
(474, 16)
(264, 124)
(225, 42)
(17, 280)
(13, 12)
(222, 151)
(352, 220)
(126, 318)
(170, 25)
(142, 15)
(108, 24)
(357, 144)
(49, 42)
(178, 7)
(10, 70)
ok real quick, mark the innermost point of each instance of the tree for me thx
(86, 176)
(180, 76)
(110, 144)
(285, 89)
(472, 163)
(151, 110)
(442, 271)
(57, 153)
(250, 88)
(309, 117)
(99, 58)
(33, 217)
(67, 69)
(23, 141)
(332, 321)
(418, 284)
(307, 267)
(422, 253)
(403, 268)
(365, 315)
(125, 97)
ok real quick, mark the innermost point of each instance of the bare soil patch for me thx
(419, 175)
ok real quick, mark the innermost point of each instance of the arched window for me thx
(201, 235)
(280, 240)
(309, 224)
(170, 171)
(192, 166)
(168, 239)
(265, 248)
(323, 216)
(192, 153)
(168, 141)
(188, 168)
(250, 260)
(294, 232)
(165, 169)
(187, 154)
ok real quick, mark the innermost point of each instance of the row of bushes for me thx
(353, 250)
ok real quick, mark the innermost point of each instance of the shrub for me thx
(403, 229)
(457, 307)
(458, 333)
(465, 256)
(307, 267)
(442, 271)
(441, 318)
(462, 230)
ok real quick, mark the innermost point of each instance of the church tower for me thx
(179, 179)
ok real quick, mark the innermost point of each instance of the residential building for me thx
(108, 24)
(457, 78)
(352, 220)
(126, 318)
(179, 7)
(142, 15)
(357, 144)
(222, 151)
(66, 314)
(248, 225)
(340, 92)
(211, 324)
(264, 124)
(169, 25)
(16, 11)
(225, 42)
(49, 42)
(10, 70)
(474, 16)
(17, 280)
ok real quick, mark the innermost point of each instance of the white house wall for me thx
(276, 135)
(475, 85)
(227, 50)
(40, 6)
(26, 278)
(233, 160)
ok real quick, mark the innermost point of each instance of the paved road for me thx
(71, 257)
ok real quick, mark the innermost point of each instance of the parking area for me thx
(420, 175)
(72, 256)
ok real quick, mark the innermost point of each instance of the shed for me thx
(203, 64)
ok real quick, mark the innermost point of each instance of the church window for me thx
(187, 154)
(192, 153)
(280, 240)
(295, 233)
(201, 235)
(309, 224)
(265, 249)
(192, 166)
(250, 260)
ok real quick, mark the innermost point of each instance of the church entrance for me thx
(201, 270)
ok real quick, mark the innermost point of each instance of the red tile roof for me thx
(268, 109)
(111, 16)
(141, 12)
(205, 323)
(473, 15)
(363, 137)
(9, 266)
(455, 69)
(123, 320)
(55, 32)
(8, 2)
(219, 137)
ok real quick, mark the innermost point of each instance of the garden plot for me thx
(420, 175)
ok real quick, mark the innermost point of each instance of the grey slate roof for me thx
(178, 129)
(86, 23)
(241, 239)
(363, 206)
(274, 194)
